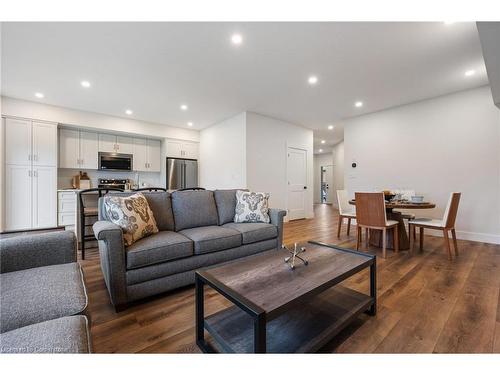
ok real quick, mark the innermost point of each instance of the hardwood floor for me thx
(427, 304)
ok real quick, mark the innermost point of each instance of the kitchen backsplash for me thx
(144, 179)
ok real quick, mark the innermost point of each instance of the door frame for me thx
(302, 148)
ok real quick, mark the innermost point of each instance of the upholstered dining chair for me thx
(346, 211)
(370, 214)
(447, 223)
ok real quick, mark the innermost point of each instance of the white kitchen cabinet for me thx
(69, 148)
(190, 150)
(66, 208)
(107, 143)
(30, 174)
(44, 201)
(18, 141)
(117, 144)
(154, 155)
(147, 155)
(77, 149)
(18, 197)
(88, 150)
(125, 145)
(44, 144)
(140, 155)
(180, 149)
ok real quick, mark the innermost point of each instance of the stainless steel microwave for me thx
(109, 161)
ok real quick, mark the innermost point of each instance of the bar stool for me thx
(86, 212)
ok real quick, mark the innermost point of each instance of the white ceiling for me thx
(152, 68)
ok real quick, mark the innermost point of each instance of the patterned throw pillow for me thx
(251, 207)
(132, 214)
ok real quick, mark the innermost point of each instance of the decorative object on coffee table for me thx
(270, 313)
(295, 254)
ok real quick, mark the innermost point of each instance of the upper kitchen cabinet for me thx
(147, 155)
(116, 144)
(77, 149)
(44, 144)
(181, 149)
(29, 142)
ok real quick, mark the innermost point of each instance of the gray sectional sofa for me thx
(196, 229)
(42, 295)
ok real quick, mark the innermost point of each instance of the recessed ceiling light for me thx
(184, 107)
(323, 141)
(236, 39)
(85, 84)
(312, 80)
(358, 104)
(469, 73)
(129, 112)
(190, 124)
(330, 127)
(39, 95)
(320, 150)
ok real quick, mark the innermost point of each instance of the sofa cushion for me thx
(133, 215)
(193, 208)
(251, 207)
(226, 204)
(64, 335)
(212, 238)
(254, 232)
(161, 247)
(160, 203)
(38, 294)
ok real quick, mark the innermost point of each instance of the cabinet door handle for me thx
(29, 157)
(29, 173)
(81, 161)
(36, 157)
(35, 173)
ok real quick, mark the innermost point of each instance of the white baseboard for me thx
(469, 236)
(461, 235)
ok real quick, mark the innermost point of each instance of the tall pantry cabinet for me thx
(30, 174)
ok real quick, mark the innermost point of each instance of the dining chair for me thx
(346, 211)
(87, 212)
(371, 214)
(447, 223)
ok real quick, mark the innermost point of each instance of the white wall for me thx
(223, 154)
(338, 169)
(94, 121)
(267, 142)
(320, 160)
(445, 144)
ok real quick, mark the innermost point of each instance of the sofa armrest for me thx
(112, 254)
(37, 250)
(277, 215)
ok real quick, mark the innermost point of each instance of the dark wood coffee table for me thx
(279, 310)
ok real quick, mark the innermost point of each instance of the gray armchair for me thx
(42, 295)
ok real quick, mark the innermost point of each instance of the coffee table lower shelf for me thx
(302, 329)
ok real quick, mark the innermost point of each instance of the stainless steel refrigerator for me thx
(181, 173)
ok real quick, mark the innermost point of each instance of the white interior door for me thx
(18, 141)
(140, 155)
(44, 144)
(69, 147)
(18, 197)
(297, 183)
(44, 197)
(328, 183)
(88, 150)
(154, 155)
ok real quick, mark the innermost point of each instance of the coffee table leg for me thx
(373, 287)
(259, 327)
(200, 313)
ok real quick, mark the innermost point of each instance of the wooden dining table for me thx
(404, 241)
